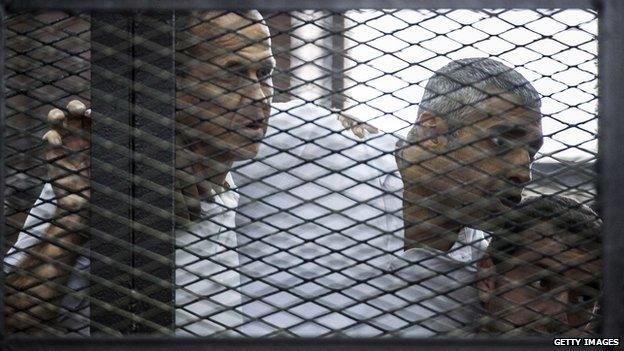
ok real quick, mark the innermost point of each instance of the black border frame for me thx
(610, 191)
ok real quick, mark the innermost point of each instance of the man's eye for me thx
(499, 141)
(263, 73)
(235, 70)
(541, 284)
(579, 299)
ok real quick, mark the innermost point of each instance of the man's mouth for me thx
(253, 130)
(511, 200)
(254, 125)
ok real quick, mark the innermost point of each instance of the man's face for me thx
(478, 169)
(227, 90)
(550, 286)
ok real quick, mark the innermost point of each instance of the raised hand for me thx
(356, 126)
(38, 282)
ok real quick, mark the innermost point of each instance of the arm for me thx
(35, 286)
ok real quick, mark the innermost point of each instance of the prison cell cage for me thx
(303, 243)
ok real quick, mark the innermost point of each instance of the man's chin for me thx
(246, 152)
(501, 205)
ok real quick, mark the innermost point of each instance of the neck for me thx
(425, 227)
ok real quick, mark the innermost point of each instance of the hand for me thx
(358, 127)
(68, 155)
(35, 287)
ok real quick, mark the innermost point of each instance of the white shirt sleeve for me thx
(35, 227)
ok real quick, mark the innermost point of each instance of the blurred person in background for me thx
(542, 275)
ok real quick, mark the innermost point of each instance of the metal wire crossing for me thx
(363, 173)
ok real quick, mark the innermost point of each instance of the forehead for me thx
(222, 34)
(503, 109)
(545, 241)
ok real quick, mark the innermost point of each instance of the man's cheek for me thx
(204, 91)
(268, 91)
(230, 101)
(219, 96)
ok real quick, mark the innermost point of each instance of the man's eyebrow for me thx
(234, 65)
(518, 129)
(241, 65)
(265, 62)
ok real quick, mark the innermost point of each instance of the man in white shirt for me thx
(320, 215)
(207, 276)
(463, 165)
(223, 100)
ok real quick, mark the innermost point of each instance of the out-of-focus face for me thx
(549, 287)
(476, 170)
(224, 97)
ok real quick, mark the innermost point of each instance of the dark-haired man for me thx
(464, 164)
(543, 275)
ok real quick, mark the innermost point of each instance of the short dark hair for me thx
(463, 83)
(569, 216)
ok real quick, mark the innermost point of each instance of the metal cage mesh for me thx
(169, 202)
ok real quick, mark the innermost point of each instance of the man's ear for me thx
(430, 131)
(486, 283)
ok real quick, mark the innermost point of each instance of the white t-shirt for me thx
(320, 216)
(430, 292)
(207, 277)
(320, 226)
(75, 319)
(320, 222)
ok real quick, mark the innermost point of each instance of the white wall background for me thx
(555, 50)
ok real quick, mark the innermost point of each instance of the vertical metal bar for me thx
(281, 26)
(3, 227)
(111, 167)
(611, 152)
(337, 45)
(154, 169)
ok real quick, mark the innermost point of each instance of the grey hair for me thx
(464, 83)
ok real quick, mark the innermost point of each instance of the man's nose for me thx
(254, 101)
(519, 167)
(554, 308)
(254, 92)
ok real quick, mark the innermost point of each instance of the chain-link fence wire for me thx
(422, 173)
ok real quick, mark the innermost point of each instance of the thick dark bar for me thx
(154, 170)
(280, 26)
(293, 344)
(3, 227)
(611, 158)
(337, 59)
(111, 183)
(291, 5)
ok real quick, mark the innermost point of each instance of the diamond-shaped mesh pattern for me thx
(409, 173)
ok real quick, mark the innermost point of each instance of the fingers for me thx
(77, 108)
(56, 118)
(53, 137)
(68, 168)
(371, 129)
(360, 129)
(75, 125)
(347, 123)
